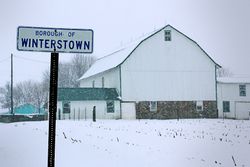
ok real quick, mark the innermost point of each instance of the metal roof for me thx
(79, 94)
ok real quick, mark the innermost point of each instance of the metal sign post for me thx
(52, 108)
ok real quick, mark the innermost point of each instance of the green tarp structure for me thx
(28, 109)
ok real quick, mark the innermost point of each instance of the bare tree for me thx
(5, 96)
(36, 93)
(80, 64)
(24, 92)
(70, 72)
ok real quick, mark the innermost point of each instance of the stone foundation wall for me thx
(176, 109)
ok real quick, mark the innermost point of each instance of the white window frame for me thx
(242, 90)
(199, 105)
(66, 106)
(110, 106)
(153, 106)
(226, 106)
(167, 35)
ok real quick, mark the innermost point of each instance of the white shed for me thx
(78, 103)
(164, 75)
(234, 98)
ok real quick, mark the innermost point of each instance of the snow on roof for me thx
(114, 59)
(233, 80)
(108, 62)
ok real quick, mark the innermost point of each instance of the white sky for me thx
(220, 27)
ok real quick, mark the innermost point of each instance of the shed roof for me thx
(79, 94)
(118, 57)
(235, 80)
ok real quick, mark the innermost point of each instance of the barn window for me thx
(226, 106)
(102, 82)
(93, 84)
(153, 106)
(66, 107)
(199, 106)
(110, 107)
(167, 35)
(242, 89)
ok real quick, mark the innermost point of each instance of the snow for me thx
(108, 62)
(233, 80)
(116, 58)
(133, 143)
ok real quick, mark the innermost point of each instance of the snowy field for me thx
(120, 143)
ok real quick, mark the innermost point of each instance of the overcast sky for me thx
(220, 27)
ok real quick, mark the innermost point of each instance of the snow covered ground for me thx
(123, 143)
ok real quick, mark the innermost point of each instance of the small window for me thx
(102, 82)
(110, 107)
(167, 35)
(153, 106)
(226, 106)
(199, 106)
(242, 89)
(66, 107)
(93, 84)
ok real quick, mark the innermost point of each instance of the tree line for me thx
(37, 93)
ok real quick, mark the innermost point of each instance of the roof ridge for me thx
(110, 54)
(84, 88)
(135, 42)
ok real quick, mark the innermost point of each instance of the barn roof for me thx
(79, 94)
(118, 57)
(108, 62)
(236, 80)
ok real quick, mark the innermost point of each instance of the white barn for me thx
(165, 75)
(234, 98)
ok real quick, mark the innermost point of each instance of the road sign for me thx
(54, 40)
(42, 39)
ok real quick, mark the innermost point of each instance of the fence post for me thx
(59, 114)
(79, 115)
(85, 114)
(74, 114)
(94, 114)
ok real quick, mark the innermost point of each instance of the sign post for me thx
(52, 108)
(54, 40)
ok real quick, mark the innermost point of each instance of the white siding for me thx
(160, 70)
(242, 110)
(111, 80)
(84, 110)
(128, 111)
(230, 92)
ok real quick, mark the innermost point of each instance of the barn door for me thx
(242, 110)
(128, 111)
